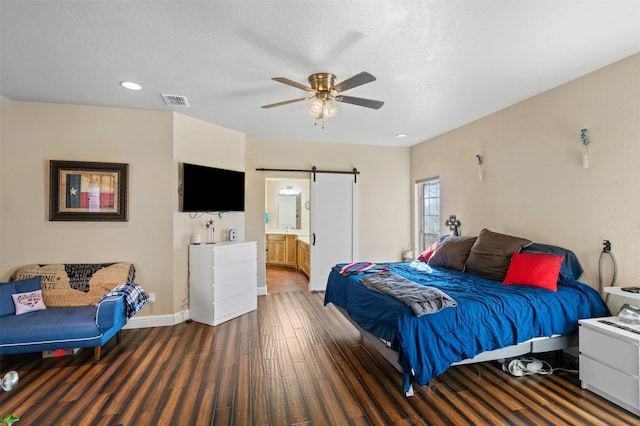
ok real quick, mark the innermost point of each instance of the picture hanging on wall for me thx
(88, 191)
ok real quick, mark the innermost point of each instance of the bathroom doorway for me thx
(287, 229)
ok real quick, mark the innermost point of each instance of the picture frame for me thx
(88, 191)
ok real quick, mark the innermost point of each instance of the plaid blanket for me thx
(134, 296)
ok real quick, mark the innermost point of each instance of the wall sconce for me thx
(480, 171)
(584, 137)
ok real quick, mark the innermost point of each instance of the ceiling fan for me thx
(324, 91)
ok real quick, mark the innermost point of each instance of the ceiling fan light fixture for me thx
(322, 108)
(315, 107)
(325, 93)
(330, 108)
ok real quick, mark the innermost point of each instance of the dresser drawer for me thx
(610, 381)
(236, 305)
(222, 274)
(233, 253)
(234, 287)
(609, 350)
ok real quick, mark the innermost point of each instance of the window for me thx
(429, 212)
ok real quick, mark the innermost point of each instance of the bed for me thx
(490, 320)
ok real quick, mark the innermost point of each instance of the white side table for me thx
(618, 291)
(610, 361)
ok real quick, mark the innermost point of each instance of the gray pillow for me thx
(491, 254)
(452, 252)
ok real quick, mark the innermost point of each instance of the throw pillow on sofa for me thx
(28, 302)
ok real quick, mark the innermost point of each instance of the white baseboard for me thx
(157, 320)
(262, 291)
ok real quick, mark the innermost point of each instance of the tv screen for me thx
(208, 189)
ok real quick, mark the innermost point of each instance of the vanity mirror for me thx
(289, 211)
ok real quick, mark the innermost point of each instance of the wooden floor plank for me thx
(330, 398)
(242, 394)
(204, 409)
(275, 389)
(259, 401)
(293, 361)
(309, 388)
(297, 407)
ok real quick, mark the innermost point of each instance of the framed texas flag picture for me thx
(88, 191)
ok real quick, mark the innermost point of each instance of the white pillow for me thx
(28, 302)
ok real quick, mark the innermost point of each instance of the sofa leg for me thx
(119, 336)
(96, 352)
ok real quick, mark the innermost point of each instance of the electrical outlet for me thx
(152, 297)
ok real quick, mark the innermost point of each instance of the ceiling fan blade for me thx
(284, 103)
(284, 80)
(369, 103)
(357, 80)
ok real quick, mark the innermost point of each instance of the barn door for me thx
(334, 227)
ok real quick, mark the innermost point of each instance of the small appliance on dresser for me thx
(222, 281)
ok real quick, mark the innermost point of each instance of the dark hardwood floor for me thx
(293, 361)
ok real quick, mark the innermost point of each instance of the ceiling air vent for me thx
(175, 100)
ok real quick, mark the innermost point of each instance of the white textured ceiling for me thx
(439, 64)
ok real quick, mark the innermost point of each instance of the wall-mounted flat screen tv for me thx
(209, 189)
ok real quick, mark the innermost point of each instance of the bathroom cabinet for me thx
(281, 250)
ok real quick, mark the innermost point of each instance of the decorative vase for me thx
(195, 238)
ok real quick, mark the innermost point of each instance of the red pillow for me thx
(425, 255)
(534, 269)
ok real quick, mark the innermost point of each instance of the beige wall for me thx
(385, 198)
(534, 183)
(203, 143)
(156, 236)
(34, 133)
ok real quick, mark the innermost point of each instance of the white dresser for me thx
(610, 361)
(222, 281)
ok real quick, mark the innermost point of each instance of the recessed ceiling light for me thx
(130, 85)
(401, 135)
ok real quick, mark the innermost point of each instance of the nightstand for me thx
(610, 361)
(618, 291)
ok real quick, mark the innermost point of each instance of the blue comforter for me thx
(489, 316)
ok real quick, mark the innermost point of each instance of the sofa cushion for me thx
(28, 302)
(56, 324)
(6, 302)
(7, 289)
(77, 284)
